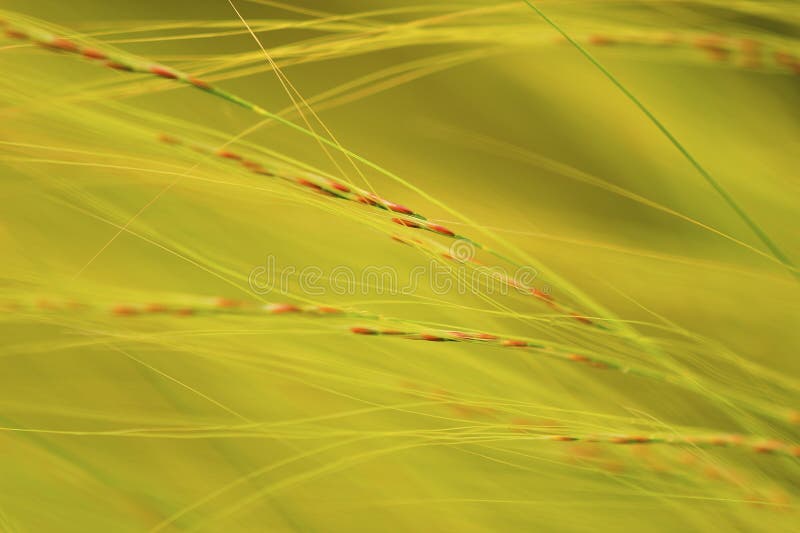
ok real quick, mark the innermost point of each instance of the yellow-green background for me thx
(325, 431)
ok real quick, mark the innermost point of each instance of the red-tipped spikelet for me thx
(541, 295)
(59, 43)
(310, 184)
(631, 439)
(227, 303)
(440, 230)
(164, 72)
(200, 84)
(397, 208)
(721, 440)
(119, 66)
(281, 308)
(432, 338)
(715, 47)
(601, 40)
(91, 53)
(16, 34)
(367, 199)
(169, 139)
(328, 310)
(769, 446)
(338, 186)
(513, 343)
(363, 331)
(580, 318)
(406, 223)
(227, 154)
(751, 53)
(124, 310)
(46, 305)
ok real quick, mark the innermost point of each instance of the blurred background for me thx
(478, 115)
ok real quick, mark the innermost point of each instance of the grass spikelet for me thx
(207, 322)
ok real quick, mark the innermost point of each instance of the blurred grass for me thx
(250, 423)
